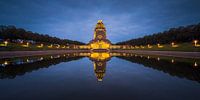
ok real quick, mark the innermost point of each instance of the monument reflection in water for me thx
(11, 67)
(88, 75)
(187, 68)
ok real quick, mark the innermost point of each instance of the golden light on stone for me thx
(99, 61)
(100, 45)
(99, 41)
(100, 56)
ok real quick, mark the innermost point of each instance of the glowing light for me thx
(135, 55)
(149, 46)
(195, 64)
(100, 21)
(159, 46)
(174, 45)
(40, 46)
(63, 47)
(84, 47)
(172, 60)
(148, 57)
(6, 43)
(5, 63)
(158, 59)
(142, 47)
(100, 56)
(41, 58)
(50, 46)
(27, 60)
(100, 45)
(58, 46)
(27, 44)
(196, 43)
(137, 47)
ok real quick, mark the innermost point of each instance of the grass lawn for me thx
(19, 47)
(168, 47)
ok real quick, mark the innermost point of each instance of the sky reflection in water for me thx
(98, 76)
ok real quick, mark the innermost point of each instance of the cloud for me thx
(76, 19)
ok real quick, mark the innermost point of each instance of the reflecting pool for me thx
(97, 76)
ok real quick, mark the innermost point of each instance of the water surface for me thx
(99, 76)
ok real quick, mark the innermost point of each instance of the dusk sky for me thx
(76, 19)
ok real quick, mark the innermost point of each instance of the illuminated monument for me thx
(99, 42)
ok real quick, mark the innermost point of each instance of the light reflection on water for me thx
(108, 75)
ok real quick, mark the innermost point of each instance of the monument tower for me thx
(100, 41)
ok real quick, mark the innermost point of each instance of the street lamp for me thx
(27, 44)
(6, 43)
(195, 42)
(195, 64)
(58, 46)
(63, 47)
(50, 46)
(142, 47)
(174, 45)
(159, 46)
(149, 46)
(172, 60)
(40, 46)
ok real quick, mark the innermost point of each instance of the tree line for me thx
(177, 35)
(12, 33)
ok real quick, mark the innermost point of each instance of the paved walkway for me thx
(11, 54)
